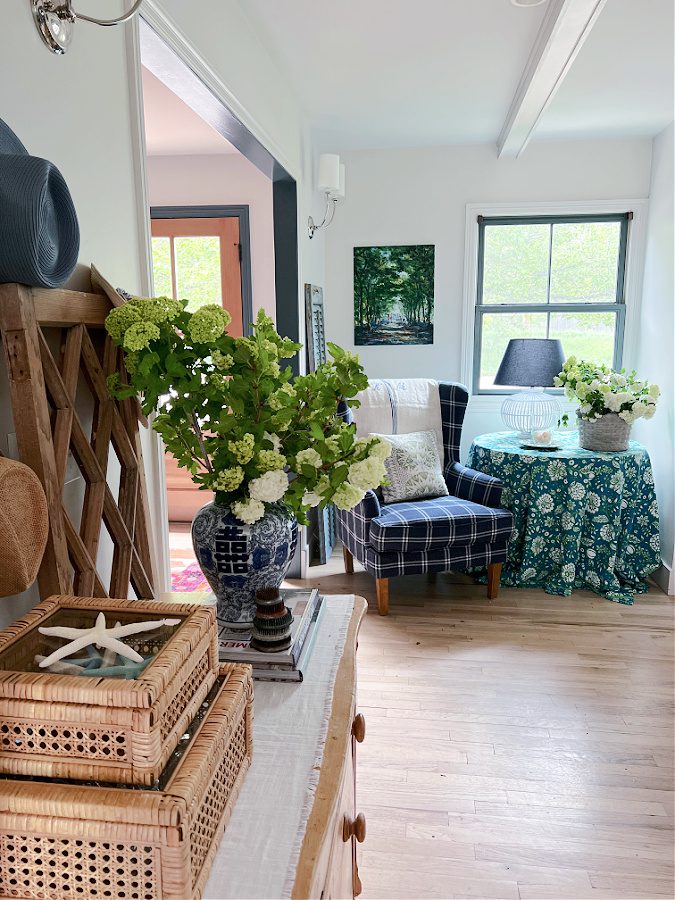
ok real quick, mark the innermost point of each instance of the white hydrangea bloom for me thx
(366, 474)
(347, 496)
(308, 457)
(654, 391)
(381, 449)
(275, 441)
(248, 511)
(270, 487)
(311, 498)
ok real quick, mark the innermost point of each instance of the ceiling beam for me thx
(566, 26)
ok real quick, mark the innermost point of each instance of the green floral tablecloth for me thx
(583, 519)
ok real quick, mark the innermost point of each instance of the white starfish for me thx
(101, 637)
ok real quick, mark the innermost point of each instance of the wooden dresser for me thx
(328, 866)
(295, 830)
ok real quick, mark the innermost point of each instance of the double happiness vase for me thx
(239, 559)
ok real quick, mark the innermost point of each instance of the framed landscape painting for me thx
(394, 295)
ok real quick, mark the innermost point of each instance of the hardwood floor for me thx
(519, 748)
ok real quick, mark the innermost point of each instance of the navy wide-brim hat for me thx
(39, 234)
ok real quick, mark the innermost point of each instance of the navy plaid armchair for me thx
(465, 530)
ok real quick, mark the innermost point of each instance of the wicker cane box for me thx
(95, 728)
(87, 841)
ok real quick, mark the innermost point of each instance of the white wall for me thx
(88, 132)
(226, 179)
(655, 352)
(419, 197)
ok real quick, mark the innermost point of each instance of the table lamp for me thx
(532, 363)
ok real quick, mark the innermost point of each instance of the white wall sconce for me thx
(332, 183)
(54, 20)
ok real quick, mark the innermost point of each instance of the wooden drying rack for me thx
(46, 390)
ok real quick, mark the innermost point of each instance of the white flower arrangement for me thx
(601, 391)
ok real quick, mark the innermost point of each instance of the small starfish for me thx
(101, 637)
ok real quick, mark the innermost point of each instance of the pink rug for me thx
(189, 579)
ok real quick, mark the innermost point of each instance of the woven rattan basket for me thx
(608, 434)
(82, 841)
(103, 729)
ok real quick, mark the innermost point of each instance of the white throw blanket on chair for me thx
(400, 406)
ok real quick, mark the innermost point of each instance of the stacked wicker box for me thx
(149, 825)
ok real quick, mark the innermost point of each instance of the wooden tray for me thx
(103, 729)
(72, 840)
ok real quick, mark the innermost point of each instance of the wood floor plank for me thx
(518, 748)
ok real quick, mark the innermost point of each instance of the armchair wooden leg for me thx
(494, 573)
(382, 589)
(349, 561)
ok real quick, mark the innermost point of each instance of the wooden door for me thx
(199, 260)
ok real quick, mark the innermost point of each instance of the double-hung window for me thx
(549, 277)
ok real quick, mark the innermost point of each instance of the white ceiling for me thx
(406, 73)
(621, 82)
(172, 128)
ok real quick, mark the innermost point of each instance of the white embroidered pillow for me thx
(413, 467)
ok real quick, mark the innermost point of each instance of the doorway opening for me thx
(223, 217)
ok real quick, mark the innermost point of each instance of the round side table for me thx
(583, 519)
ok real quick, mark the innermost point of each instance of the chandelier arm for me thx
(118, 21)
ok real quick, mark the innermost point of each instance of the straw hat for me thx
(39, 234)
(24, 525)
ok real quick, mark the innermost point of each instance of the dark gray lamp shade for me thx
(530, 362)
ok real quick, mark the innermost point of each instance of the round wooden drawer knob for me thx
(355, 828)
(359, 728)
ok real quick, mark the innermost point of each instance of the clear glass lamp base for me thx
(529, 411)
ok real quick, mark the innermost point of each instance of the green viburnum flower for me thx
(120, 319)
(131, 360)
(242, 449)
(230, 416)
(208, 323)
(222, 361)
(161, 309)
(284, 393)
(114, 384)
(228, 479)
(139, 335)
(268, 460)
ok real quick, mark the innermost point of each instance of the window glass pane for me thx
(498, 329)
(515, 263)
(586, 335)
(584, 261)
(161, 266)
(198, 270)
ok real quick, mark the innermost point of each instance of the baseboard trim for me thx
(663, 579)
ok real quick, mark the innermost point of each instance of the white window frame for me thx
(635, 251)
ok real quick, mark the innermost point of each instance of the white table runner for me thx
(258, 855)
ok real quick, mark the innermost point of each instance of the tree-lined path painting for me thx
(394, 295)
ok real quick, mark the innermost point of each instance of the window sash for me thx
(618, 306)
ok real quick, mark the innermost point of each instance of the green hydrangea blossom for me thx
(122, 318)
(231, 416)
(228, 479)
(269, 460)
(208, 323)
(243, 449)
(222, 361)
(139, 335)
